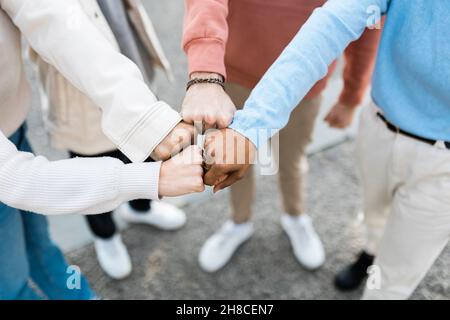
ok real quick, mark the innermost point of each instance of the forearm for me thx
(305, 61)
(64, 37)
(359, 63)
(87, 186)
(205, 34)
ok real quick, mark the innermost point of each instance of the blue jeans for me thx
(31, 265)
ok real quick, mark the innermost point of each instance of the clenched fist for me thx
(182, 174)
(207, 103)
(230, 155)
(178, 139)
(340, 116)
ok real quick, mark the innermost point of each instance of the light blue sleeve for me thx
(304, 61)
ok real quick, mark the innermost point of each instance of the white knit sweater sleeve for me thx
(87, 186)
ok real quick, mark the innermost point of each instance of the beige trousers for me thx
(406, 189)
(293, 140)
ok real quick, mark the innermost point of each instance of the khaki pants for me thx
(293, 140)
(406, 188)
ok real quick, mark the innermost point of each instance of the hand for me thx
(340, 116)
(230, 155)
(178, 139)
(207, 103)
(182, 174)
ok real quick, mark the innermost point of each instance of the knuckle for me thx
(193, 115)
(208, 181)
(186, 110)
(162, 153)
(196, 149)
(210, 119)
(240, 175)
(197, 162)
(223, 123)
(186, 135)
(188, 118)
(198, 116)
(220, 167)
(228, 119)
(198, 171)
(198, 182)
(196, 158)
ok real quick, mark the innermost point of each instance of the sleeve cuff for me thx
(149, 132)
(206, 55)
(140, 181)
(239, 125)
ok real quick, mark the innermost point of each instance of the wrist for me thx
(348, 100)
(161, 180)
(349, 107)
(214, 81)
(139, 180)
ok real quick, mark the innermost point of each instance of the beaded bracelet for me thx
(220, 82)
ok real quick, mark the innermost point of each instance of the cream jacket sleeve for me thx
(64, 37)
(61, 33)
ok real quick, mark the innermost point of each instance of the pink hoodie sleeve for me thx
(205, 35)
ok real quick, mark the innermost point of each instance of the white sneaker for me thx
(161, 215)
(113, 257)
(306, 244)
(220, 247)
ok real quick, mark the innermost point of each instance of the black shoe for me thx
(354, 274)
